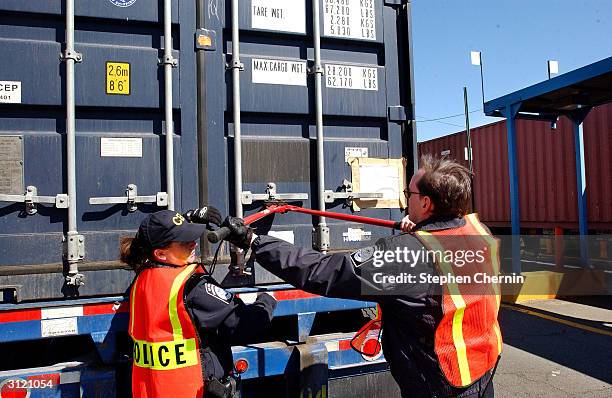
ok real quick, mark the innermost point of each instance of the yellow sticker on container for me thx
(118, 78)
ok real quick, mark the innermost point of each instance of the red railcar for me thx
(546, 168)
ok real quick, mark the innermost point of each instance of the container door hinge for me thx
(74, 247)
(320, 238)
(131, 198)
(346, 192)
(396, 113)
(31, 199)
(271, 195)
(76, 56)
(205, 40)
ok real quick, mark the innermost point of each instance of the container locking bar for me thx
(321, 239)
(131, 198)
(31, 198)
(74, 252)
(346, 192)
(271, 195)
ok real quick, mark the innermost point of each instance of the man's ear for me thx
(159, 254)
(428, 204)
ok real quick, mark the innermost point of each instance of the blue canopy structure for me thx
(573, 95)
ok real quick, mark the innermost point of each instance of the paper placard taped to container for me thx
(279, 15)
(278, 71)
(121, 147)
(355, 19)
(386, 176)
(10, 92)
(351, 77)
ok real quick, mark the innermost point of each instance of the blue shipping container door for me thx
(367, 106)
(366, 70)
(120, 128)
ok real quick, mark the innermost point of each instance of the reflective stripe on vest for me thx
(483, 338)
(464, 368)
(177, 330)
(496, 267)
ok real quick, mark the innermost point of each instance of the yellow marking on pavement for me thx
(559, 320)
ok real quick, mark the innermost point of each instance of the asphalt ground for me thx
(556, 348)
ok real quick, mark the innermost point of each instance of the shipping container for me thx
(546, 170)
(140, 112)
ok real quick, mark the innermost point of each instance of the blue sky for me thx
(516, 38)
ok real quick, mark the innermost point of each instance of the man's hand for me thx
(204, 215)
(406, 225)
(241, 235)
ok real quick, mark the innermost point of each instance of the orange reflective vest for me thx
(166, 344)
(468, 340)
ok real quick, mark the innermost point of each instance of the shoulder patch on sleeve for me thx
(218, 293)
(362, 255)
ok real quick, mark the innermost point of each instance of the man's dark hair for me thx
(448, 184)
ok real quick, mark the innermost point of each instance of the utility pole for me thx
(469, 145)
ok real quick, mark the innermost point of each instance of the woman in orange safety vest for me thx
(181, 322)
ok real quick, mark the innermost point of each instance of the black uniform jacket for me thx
(223, 320)
(411, 311)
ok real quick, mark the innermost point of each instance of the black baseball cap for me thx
(166, 226)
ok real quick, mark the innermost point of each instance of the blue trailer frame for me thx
(105, 320)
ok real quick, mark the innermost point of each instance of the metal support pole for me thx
(168, 62)
(322, 241)
(581, 185)
(73, 240)
(482, 82)
(236, 67)
(510, 114)
(469, 145)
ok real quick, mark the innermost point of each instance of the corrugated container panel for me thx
(546, 167)
(598, 149)
(365, 56)
(278, 123)
(451, 146)
(118, 45)
(491, 192)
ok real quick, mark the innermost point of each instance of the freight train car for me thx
(546, 170)
(113, 109)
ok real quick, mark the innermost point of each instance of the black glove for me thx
(204, 215)
(240, 234)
